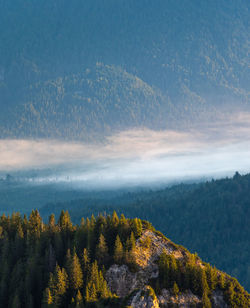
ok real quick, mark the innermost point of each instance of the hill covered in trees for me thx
(190, 55)
(105, 261)
(211, 218)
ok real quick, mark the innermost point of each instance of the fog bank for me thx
(137, 156)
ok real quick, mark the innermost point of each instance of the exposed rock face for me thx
(149, 247)
(144, 299)
(218, 300)
(146, 256)
(121, 281)
(183, 300)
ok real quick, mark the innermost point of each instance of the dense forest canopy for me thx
(59, 264)
(211, 218)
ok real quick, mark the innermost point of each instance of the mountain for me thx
(73, 69)
(89, 103)
(211, 218)
(104, 262)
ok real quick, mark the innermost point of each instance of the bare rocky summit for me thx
(135, 287)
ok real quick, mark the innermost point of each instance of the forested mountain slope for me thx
(210, 218)
(188, 54)
(104, 262)
(88, 103)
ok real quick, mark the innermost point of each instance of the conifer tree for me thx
(78, 299)
(175, 289)
(230, 293)
(91, 295)
(47, 299)
(132, 241)
(52, 221)
(204, 284)
(123, 228)
(221, 281)
(206, 301)
(75, 272)
(35, 224)
(85, 262)
(92, 222)
(60, 284)
(102, 250)
(136, 227)
(65, 221)
(105, 292)
(118, 251)
(94, 275)
(115, 219)
(211, 276)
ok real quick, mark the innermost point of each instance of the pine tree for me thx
(91, 295)
(164, 268)
(211, 276)
(230, 294)
(102, 250)
(52, 221)
(132, 243)
(35, 224)
(61, 283)
(173, 269)
(175, 289)
(92, 222)
(204, 284)
(85, 262)
(136, 226)
(115, 219)
(94, 275)
(47, 298)
(206, 301)
(130, 252)
(65, 221)
(123, 228)
(75, 272)
(118, 251)
(78, 299)
(105, 292)
(221, 281)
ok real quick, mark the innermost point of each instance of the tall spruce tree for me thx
(102, 250)
(118, 251)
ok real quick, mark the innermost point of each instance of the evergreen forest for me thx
(210, 218)
(60, 264)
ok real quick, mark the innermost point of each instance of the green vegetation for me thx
(211, 218)
(63, 265)
(85, 105)
(51, 86)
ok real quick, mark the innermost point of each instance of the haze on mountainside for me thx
(124, 92)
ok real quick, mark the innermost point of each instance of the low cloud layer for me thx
(138, 156)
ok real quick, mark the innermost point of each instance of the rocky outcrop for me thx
(135, 285)
(183, 300)
(148, 249)
(121, 281)
(147, 254)
(218, 300)
(144, 298)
